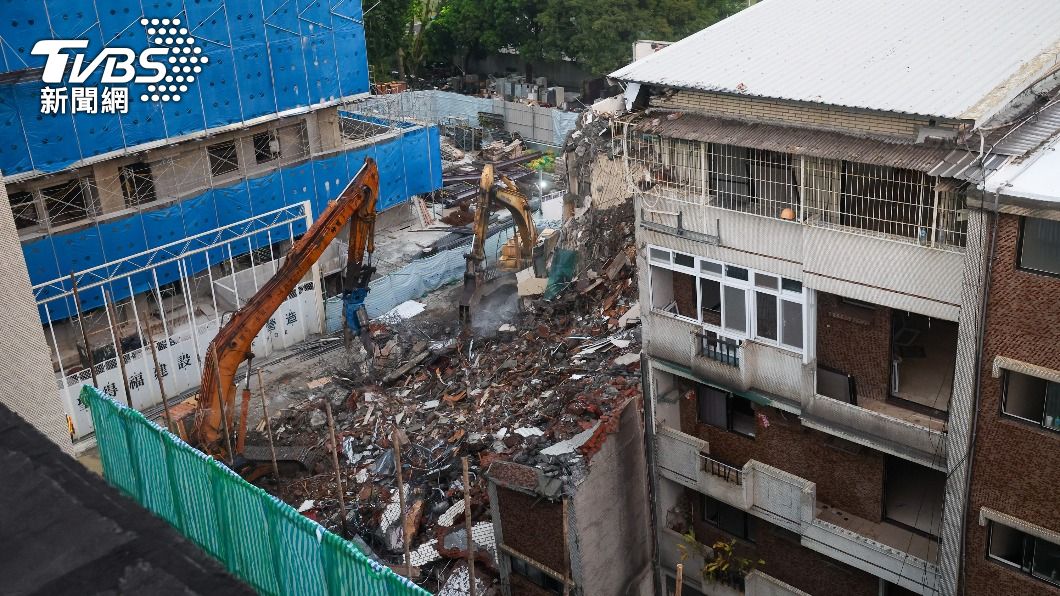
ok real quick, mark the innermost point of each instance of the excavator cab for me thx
(517, 255)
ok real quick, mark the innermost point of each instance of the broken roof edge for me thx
(1034, 178)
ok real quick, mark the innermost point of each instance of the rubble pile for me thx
(539, 392)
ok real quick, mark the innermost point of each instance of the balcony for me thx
(760, 584)
(885, 428)
(685, 460)
(746, 365)
(887, 550)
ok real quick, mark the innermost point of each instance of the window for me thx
(1032, 399)
(734, 301)
(725, 410)
(68, 202)
(1030, 554)
(24, 208)
(223, 158)
(136, 184)
(735, 309)
(535, 575)
(266, 147)
(710, 301)
(1039, 248)
(728, 519)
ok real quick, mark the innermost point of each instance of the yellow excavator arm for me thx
(231, 347)
(504, 192)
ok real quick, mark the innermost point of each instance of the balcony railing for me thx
(720, 349)
(726, 472)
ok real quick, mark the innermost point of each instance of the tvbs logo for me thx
(167, 66)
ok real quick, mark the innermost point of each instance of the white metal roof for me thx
(944, 58)
(1036, 177)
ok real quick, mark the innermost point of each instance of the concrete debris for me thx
(405, 310)
(458, 583)
(543, 392)
(317, 383)
(529, 432)
(446, 519)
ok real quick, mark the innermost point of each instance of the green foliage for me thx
(545, 163)
(386, 29)
(596, 34)
(722, 564)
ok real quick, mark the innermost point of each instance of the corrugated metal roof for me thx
(964, 165)
(1028, 135)
(944, 58)
(1036, 177)
(802, 141)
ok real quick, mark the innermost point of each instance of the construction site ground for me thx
(534, 381)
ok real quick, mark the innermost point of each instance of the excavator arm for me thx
(507, 194)
(231, 347)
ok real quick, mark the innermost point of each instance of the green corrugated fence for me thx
(259, 538)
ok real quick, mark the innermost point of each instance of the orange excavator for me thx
(505, 193)
(212, 419)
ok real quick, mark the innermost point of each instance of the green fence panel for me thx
(257, 537)
(191, 481)
(564, 264)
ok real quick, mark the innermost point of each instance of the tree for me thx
(385, 28)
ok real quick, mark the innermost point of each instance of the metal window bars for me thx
(885, 201)
(876, 200)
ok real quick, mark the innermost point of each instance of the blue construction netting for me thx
(265, 56)
(408, 165)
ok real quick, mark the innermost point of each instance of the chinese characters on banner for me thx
(84, 100)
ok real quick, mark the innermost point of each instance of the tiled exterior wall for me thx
(856, 341)
(849, 480)
(787, 560)
(24, 361)
(1016, 466)
(806, 116)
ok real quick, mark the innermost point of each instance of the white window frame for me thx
(748, 287)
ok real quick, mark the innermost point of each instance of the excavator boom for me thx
(231, 347)
(505, 193)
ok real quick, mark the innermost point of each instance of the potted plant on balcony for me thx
(722, 565)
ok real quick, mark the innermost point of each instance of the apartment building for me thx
(152, 215)
(811, 247)
(1013, 522)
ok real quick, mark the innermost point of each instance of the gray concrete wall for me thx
(25, 367)
(611, 514)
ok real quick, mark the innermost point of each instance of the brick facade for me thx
(855, 341)
(802, 115)
(1016, 465)
(847, 479)
(533, 526)
(786, 559)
